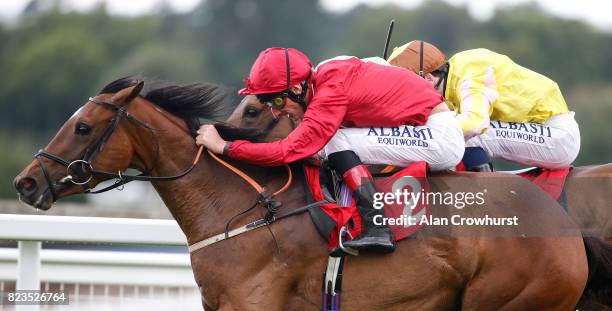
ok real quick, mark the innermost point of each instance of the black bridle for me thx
(83, 169)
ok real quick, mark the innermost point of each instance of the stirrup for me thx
(344, 230)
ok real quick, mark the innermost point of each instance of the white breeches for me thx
(439, 142)
(554, 144)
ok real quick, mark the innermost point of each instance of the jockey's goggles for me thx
(273, 100)
(277, 99)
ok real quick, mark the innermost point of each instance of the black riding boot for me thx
(373, 238)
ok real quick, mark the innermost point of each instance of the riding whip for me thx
(388, 38)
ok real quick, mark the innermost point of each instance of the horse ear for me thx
(128, 94)
(135, 92)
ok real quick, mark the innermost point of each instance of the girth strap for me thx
(332, 284)
(250, 226)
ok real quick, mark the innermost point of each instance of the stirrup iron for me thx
(345, 231)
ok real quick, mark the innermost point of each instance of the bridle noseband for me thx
(81, 171)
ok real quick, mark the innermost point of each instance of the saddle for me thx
(340, 217)
(550, 181)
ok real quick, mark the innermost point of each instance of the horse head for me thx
(273, 123)
(119, 129)
(95, 136)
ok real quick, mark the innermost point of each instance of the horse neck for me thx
(206, 198)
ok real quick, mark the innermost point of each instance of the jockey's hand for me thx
(209, 137)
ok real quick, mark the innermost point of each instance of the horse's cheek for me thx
(117, 154)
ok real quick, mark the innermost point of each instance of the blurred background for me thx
(56, 53)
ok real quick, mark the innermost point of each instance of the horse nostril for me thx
(26, 184)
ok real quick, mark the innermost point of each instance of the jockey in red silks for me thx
(356, 111)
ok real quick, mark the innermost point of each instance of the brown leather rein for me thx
(251, 181)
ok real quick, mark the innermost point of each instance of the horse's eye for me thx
(251, 112)
(82, 129)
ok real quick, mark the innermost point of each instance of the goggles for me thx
(274, 100)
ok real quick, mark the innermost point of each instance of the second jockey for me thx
(356, 112)
(506, 111)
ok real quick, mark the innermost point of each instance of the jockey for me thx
(506, 111)
(357, 111)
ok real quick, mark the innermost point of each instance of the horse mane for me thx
(192, 102)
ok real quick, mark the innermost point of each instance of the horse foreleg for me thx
(264, 291)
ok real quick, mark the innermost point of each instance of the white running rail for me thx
(89, 271)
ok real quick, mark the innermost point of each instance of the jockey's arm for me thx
(323, 117)
(474, 106)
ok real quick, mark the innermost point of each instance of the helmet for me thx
(417, 56)
(277, 70)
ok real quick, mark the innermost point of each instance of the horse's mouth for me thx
(42, 202)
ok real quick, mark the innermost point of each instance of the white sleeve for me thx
(342, 57)
(377, 60)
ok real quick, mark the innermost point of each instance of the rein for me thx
(260, 190)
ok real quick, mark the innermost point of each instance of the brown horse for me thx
(589, 188)
(589, 195)
(280, 267)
